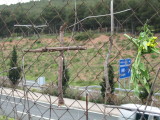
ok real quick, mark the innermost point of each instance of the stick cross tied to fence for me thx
(61, 49)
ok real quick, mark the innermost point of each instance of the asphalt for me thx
(19, 108)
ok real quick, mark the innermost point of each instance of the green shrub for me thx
(73, 94)
(98, 99)
(10, 39)
(50, 89)
(35, 90)
(81, 36)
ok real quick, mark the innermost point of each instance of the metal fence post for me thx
(86, 106)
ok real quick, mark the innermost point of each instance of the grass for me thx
(153, 56)
(85, 67)
(84, 83)
(83, 36)
(6, 118)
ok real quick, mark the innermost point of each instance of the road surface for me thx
(16, 107)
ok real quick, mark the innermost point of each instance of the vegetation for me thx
(79, 63)
(111, 82)
(5, 118)
(81, 36)
(57, 12)
(143, 95)
(146, 44)
(14, 73)
(65, 78)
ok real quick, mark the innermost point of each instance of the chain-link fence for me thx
(71, 60)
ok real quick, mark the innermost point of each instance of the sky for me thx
(8, 2)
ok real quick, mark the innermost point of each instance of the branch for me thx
(52, 49)
(99, 16)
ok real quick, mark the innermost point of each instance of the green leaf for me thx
(147, 88)
(127, 36)
(132, 39)
(142, 35)
(155, 50)
(145, 44)
(144, 80)
(145, 74)
(142, 67)
(136, 90)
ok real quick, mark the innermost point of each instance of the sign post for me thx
(124, 69)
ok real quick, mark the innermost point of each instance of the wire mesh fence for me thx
(71, 60)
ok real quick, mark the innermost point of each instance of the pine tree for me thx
(111, 82)
(65, 78)
(15, 72)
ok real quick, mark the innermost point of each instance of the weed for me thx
(154, 56)
(38, 42)
(81, 36)
(128, 48)
(5, 118)
(73, 94)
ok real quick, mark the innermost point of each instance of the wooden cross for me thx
(61, 60)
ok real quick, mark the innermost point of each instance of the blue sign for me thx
(124, 68)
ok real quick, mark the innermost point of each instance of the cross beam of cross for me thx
(61, 60)
(53, 49)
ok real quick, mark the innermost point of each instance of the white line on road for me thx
(61, 106)
(11, 102)
(37, 116)
(115, 116)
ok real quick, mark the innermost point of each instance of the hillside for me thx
(55, 12)
(85, 67)
(36, 7)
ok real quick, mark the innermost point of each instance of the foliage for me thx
(81, 36)
(5, 118)
(96, 98)
(146, 44)
(56, 14)
(111, 82)
(154, 56)
(65, 78)
(14, 73)
(73, 94)
(51, 90)
(143, 93)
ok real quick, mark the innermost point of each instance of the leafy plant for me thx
(146, 44)
(143, 94)
(14, 73)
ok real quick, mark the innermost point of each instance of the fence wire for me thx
(60, 60)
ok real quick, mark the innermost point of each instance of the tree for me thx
(111, 82)
(65, 77)
(14, 73)
(55, 16)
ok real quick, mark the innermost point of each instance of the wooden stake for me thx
(61, 49)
